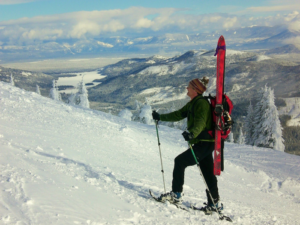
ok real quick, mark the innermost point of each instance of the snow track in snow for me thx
(66, 165)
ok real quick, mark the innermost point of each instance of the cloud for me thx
(95, 24)
(295, 41)
(230, 22)
(13, 2)
(275, 8)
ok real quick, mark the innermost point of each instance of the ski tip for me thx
(226, 218)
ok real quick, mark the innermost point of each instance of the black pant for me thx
(203, 152)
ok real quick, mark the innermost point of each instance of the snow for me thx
(262, 58)
(62, 164)
(233, 52)
(26, 74)
(87, 77)
(151, 62)
(162, 70)
(162, 95)
(105, 44)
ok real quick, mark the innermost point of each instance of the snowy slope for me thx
(65, 165)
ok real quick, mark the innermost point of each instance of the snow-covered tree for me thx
(230, 137)
(38, 91)
(54, 94)
(249, 126)
(138, 105)
(81, 97)
(146, 114)
(257, 115)
(126, 114)
(12, 80)
(136, 113)
(269, 130)
(241, 139)
(83, 93)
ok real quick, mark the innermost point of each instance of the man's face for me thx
(192, 93)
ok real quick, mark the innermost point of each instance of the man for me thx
(199, 119)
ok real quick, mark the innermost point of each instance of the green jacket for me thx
(197, 121)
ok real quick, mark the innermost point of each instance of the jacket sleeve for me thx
(176, 115)
(201, 113)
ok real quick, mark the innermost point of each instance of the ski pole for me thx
(162, 168)
(221, 217)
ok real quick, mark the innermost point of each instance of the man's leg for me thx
(207, 167)
(182, 161)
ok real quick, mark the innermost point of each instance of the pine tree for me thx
(257, 115)
(38, 91)
(81, 97)
(12, 80)
(146, 114)
(269, 129)
(137, 111)
(241, 139)
(230, 138)
(54, 94)
(249, 126)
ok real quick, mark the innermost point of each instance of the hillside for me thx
(246, 72)
(66, 165)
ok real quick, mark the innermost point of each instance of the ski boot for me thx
(209, 208)
(172, 197)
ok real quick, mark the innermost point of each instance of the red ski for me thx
(220, 53)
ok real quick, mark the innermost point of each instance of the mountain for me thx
(27, 79)
(244, 38)
(286, 49)
(162, 80)
(67, 165)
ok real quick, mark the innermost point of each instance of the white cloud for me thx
(91, 24)
(295, 41)
(291, 16)
(275, 8)
(230, 22)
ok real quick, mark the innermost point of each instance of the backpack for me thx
(221, 117)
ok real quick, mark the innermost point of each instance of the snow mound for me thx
(68, 165)
(262, 58)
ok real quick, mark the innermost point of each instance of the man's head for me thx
(197, 86)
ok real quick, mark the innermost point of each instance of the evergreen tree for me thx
(241, 139)
(230, 138)
(257, 115)
(54, 94)
(12, 80)
(269, 129)
(38, 91)
(146, 114)
(81, 97)
(137, 111)
(249, 126)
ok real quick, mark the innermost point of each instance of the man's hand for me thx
(155, 116)
(188, 136)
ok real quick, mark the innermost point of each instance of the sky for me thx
(25, 21)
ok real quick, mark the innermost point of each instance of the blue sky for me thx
(27, 8)
(25, 21)
(14, 9)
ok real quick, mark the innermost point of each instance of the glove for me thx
(155, 116)
(188, 136)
